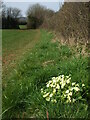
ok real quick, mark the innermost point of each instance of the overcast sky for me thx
(55, 5)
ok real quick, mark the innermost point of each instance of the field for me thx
(23, 27)
(15, 44)
(30, 59)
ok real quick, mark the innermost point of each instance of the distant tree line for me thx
(36, 15)
(10, 17)
(0, 15)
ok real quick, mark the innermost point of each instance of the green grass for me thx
(15, 44)
(23, 27)
(21, 94)
(14, 40)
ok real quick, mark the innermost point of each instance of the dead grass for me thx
(47, 63)
(70, 23)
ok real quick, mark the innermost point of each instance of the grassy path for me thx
(16, 43)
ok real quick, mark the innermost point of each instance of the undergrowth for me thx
(22, 94)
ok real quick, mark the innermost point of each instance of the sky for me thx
(23, 6)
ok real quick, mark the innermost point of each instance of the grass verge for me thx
(21, 95)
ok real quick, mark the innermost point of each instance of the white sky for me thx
(33, 0)
(23, 6)
(46, 0)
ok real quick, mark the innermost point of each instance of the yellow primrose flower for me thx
(55, 101)
(69, 98)
(42, 90)
(60, 82)
(51, 85)
(57, 79)
(46, 95)
(70, 94)
(77, 85)
(67, 91)
(62, 76)
(50, 81)
(74, 100)
(83, 85)
(71, 88)
(67, 77)
(54, 90)
(51, 95)
(63, 84)
(67, 101)
(57, 87)
(64, 95)
(73, 83)
(68, 81)
(47, 98)
(76, 88)
(54, 80)
(54, 85)
(47, 85)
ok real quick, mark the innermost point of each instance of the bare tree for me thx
(3, 9)
(36, 11)
(0, 14)
(36, 15)
(10, 17)
(13, 12)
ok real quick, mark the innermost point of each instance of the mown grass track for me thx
(15, 44)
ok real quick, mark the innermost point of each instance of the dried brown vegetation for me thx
(71, 22)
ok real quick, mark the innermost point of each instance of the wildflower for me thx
(47, 98)
(70, 94)
(51, 95)
(62, 86)
(71, 88)
(54, 90)
(54, 80)
(54, 85)
(64, 95)
(68, 81)
(67, 77)
(73, 83)
(62, 76)
(42, 90)
(53, 101)
(67, 91)
(69, 98)
(50, 81)
(46, 95)
(77, 85)
(73, 100)
(83, 85)
(67, 94)
(58, 79)
(57, 87)
(76, 88)
(47, 85)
